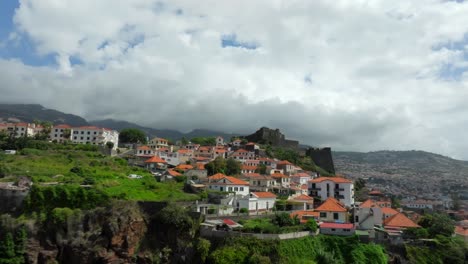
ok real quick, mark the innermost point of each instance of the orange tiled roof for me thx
(399, 220)
(184, 151)
(303, 197)
(155, 159)
(232, 180)
(252, 175)
(247, 167)
(264, 194)
(184, 167)
(389, 211)
(460, 230)
(174, 173)
(217, 176)
(284, 162)
(301, 213)
(143, 148)
(331, 205)
(368, 204)
(200, 166)
(62, 126)
(333, 179)
(278, 175)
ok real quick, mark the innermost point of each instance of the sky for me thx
(359, 75)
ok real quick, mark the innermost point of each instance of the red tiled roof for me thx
(184, 151)
(462, 231)
(278, 175)
(247, 167)
(337, 225)
(368, 204)
(217, 176)
(303, 197)
(231, 180)
(200, 166)
(241, 150)
(264, 194)
(389, 211)
(331, 205)
(63, 126)
(173, 173)
(155, 159)
(184, 167)
(143, 148)
(333, 179)
(284, 162)
(251, 175)
(399, 220)
(301, 174)
(229, 222)
(301, 213)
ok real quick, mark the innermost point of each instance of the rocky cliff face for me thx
(104, 235)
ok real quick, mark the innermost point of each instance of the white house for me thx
(225, 183)
(243, 155)
(18, 129)
(95, 135)
(337, 187)
(332, 211)
(258, 201)
(61, 133)
(144, 151)
(300, 178)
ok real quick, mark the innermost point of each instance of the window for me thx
(221, 188)
(74, 137)
(335, 216)
(82, 132)
(61, 130)
(346, 230)
(242, 189)
(230, 189)
(236, 189)
(333, 229)
(89, 132)
(56, 130)
(81, 138)
(87, 138)
(55, 135)
(323, 214)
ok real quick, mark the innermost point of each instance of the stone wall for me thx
(210, 233)
(12, 198)
(272, 137)
(322, 157)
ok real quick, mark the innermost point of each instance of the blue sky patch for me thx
(231, 41)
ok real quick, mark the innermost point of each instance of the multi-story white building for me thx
(337, 187)
(157, 143)
(18, 129)
(258, 201)
(94, 135)
(61, 133)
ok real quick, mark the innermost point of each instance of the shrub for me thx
(311, 225)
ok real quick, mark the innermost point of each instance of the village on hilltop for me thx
(240, 179)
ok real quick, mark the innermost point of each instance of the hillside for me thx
(411, 171)
(30, 112)
(164, 133)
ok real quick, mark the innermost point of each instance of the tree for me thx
(311, 225)
(218, 165)
(261, 169)
(132, 135)
(184, 141)
(437, 224)
(46, 129)
(110, 144)
(203, 248)
(233, 167)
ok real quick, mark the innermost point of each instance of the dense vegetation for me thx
(319, 249)
(280, 223)
(132, 135)
(221, 165)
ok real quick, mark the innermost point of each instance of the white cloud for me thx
(376, 67)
